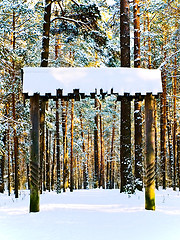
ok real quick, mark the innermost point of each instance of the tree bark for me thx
(85, 174)
(150, 154)
(46, 30)
(34, 163)
(156, 146)
(65, 157)
(96, 146)
(42, 143)
(58, 149)
(136, 34)
(178, 158)
(72, 157)
(125, 148)
(163, 131)
(125, 33)
(138, 172)
(15, 150)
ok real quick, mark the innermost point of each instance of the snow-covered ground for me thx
(90, 215)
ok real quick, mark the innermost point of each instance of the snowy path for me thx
(90, 215)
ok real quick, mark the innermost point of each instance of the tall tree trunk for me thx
(15, 150)
(8, 153)
(46, 30)
(65, 156)
(175, 116)
(102, 167)
(170, 146)
(85, 175)
(112, 163)
(2, 163)
(178, 158)
(96, 146)
(47, 155)
(125, 33)
(42, 143)
(163, 143)
(53, 163)
(136, 34)
(149, 42)
(72, 157)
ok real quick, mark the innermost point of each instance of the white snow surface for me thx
(92, 215)
(129, 80)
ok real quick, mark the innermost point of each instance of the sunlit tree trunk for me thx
(15, 150)
(53, 163)
(96, 146)
(112, 162)
(102, 165)
(72, 156)
(42, 143)
(65, 151)
(136, 34)
(84, 163)
(175, 116)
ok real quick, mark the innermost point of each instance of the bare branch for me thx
(72, 20)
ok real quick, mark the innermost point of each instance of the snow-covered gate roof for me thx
(91, 80)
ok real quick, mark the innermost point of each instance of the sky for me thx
(130, 80)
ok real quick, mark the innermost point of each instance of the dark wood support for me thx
(138, 145)
(34, 164)
(58, 148)
(150, 153)
(125, 147)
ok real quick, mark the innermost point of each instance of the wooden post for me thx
(125, 148)
(138, 145)
(163, 142)
(156, 146)
(150, 153)
(34, 164)
(58, 148)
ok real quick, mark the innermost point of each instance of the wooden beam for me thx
(150, 153)
(34, 160)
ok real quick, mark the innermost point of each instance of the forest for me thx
(80, 143)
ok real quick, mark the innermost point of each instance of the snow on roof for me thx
(129, 80)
